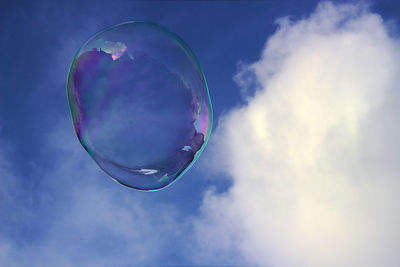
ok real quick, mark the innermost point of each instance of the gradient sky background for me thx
(301, 168)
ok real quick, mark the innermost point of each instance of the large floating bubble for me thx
(140, 104)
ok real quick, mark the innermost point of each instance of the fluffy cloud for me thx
(313, 155)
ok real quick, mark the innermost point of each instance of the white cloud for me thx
(313, 156)
(88, 219)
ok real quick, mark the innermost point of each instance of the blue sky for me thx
(303, 153)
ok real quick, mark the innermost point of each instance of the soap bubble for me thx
(140, 104)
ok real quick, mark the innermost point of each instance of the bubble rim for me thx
(191, 54)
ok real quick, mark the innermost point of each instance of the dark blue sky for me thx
(37, 44)
(40, 39)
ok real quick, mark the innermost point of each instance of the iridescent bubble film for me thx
(140, 104)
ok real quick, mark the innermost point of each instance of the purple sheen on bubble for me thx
(140, 104)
